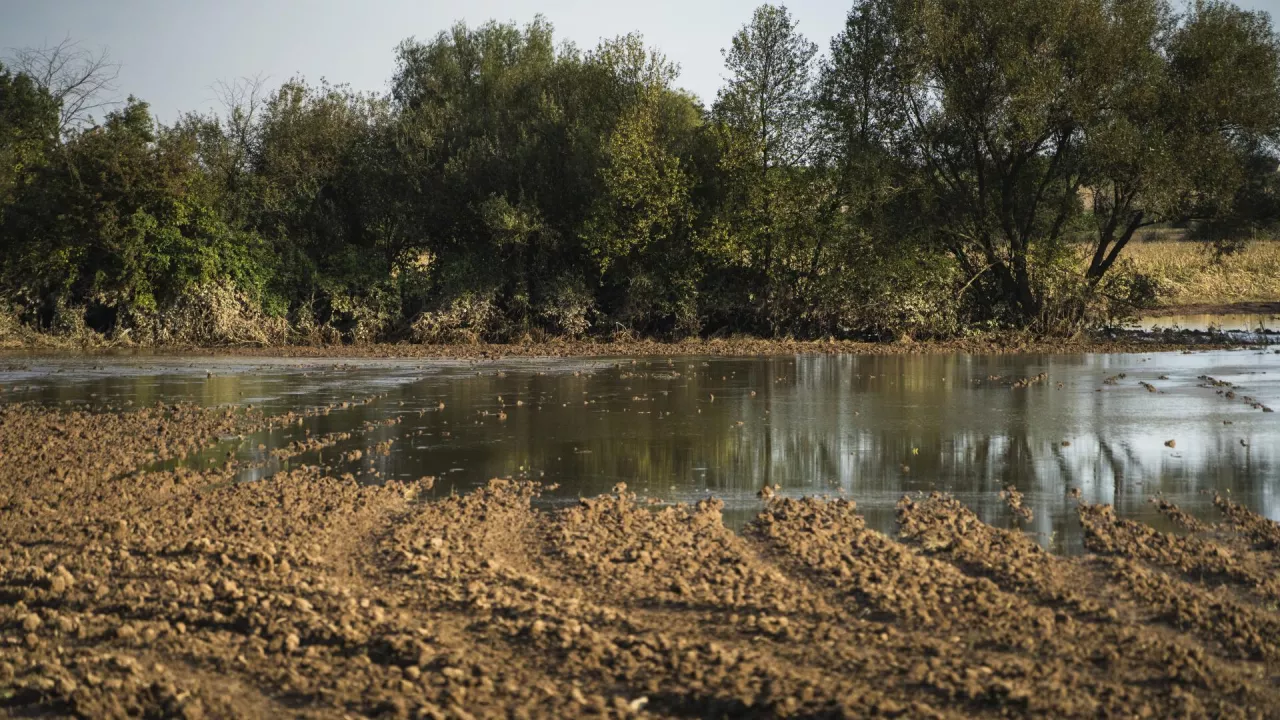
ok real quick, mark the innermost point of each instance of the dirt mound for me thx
(179, 593)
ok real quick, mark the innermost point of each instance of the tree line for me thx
(946, 165)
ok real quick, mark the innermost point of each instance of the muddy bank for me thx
(127, 594)
(1118, 342)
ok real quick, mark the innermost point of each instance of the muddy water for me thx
(1256, 327)
(869, 428)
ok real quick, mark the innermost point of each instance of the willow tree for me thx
(1033, 123)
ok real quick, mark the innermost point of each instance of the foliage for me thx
(641, 231)
(118, 223)
(28, 130)
(1028, 121)
(949, 164)
(1253, 212)
(772, 194)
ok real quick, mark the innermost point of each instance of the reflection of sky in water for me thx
(871, 427)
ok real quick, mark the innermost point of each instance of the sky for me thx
(173, 52)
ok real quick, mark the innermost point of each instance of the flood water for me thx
(1243, 327)
(869, 428)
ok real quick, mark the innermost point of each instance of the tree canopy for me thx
(944, 164)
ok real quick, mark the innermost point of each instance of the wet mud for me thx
(994, 344)
(178, 593)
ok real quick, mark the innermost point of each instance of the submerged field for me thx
(179, 592)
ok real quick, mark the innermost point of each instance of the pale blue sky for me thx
(173, 51)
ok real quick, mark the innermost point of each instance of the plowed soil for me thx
(157, 594)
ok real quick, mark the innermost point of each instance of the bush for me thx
(211, 314)
(568, 308)
(465, 319)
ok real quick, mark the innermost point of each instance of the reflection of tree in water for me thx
(815, 424)
(801, 431)
(1116, 467)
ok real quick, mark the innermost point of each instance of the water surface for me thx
(870, 428)
(1242, 327)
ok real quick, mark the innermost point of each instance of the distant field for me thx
(1190, 275)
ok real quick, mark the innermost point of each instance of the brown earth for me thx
(1000, 343)
(156, 594)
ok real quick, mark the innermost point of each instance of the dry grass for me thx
(1188, 273)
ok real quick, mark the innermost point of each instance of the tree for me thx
(118, 227)
(860, 113)
(28, 130)
(1030, 122)
(308, 153)
(80, 81)
(1253, 212)
(641, 226)
(227, 141)
(1002, 151)
(502, 132)
(766, 113)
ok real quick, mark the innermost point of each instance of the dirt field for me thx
(126, 594)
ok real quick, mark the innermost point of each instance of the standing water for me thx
(1254, 328)
(1121, 428)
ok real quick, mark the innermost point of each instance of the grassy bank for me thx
(1189, 274)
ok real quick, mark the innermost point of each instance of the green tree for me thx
(309, 154)
(1253, 212)
(227, 144)
(640, 231)
(1032, 121)
(503, 143)
(765, 114)
(118, 226)
(28, 130)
